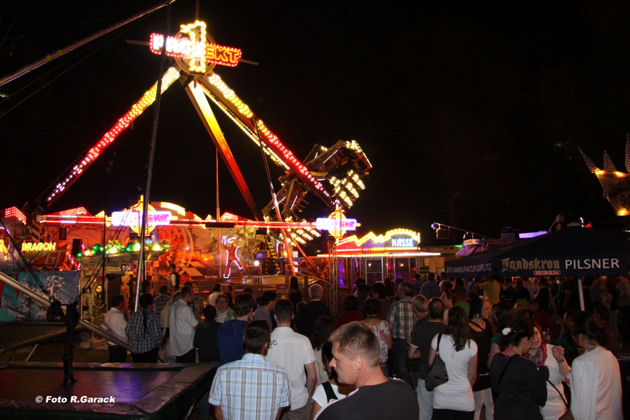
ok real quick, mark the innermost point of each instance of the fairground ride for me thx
(334, 175)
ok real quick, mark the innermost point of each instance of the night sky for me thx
(471, 113)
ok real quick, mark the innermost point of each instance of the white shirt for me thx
(554, 407)
(322, 375)
(115, 324)
(212, 298)
(456, 393)
(181, 326)
(292, 351)
(319, 396)
(221, 317)
(596, 386)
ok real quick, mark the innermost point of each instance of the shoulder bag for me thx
(436, 374)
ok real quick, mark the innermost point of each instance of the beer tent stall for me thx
(568, 252)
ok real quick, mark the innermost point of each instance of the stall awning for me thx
(569, 252)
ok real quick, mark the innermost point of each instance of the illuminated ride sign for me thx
(133, 218)
(393, 241)
(336, 224)
(192, 46)
(38, 246)
(43, 253)
(3, 249)
(125, 218)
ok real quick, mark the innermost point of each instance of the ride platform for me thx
(103, 390)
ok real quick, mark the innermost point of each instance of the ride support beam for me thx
(280, 154)
(55, 191)
(201, 105)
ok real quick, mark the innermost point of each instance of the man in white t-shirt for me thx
(182, 323)
(115, 324)
(293, 352)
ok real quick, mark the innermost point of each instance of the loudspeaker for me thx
(443, 233)
(77, 246)
(63, 233)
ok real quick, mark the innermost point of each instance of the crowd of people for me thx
(512, 349)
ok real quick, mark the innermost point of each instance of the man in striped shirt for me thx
(251, 387)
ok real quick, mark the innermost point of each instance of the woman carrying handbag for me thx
(454, 398)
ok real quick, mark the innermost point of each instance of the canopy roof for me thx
(568, 252)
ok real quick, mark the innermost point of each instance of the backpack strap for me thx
(330, 392)
(437, 346)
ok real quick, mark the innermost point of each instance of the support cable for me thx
(64, 51)
(287, 245)
(68, 63)
(4, 38)
(147, 193)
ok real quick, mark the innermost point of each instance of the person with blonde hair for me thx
(356, 357)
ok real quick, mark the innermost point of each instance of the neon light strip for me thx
(301, 171)
(391, 254)
(108, 138)
(245, 128)
(229, 94)
(284, 156)
(617, 174)
(379, 249)
(93, 220)
(529, 235)
(173, 207)
(82, 220)
(380, 238)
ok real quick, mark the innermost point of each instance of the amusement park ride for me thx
(334, 175)
(615, 184)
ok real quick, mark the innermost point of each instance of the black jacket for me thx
(520, 387)
(308, 314)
